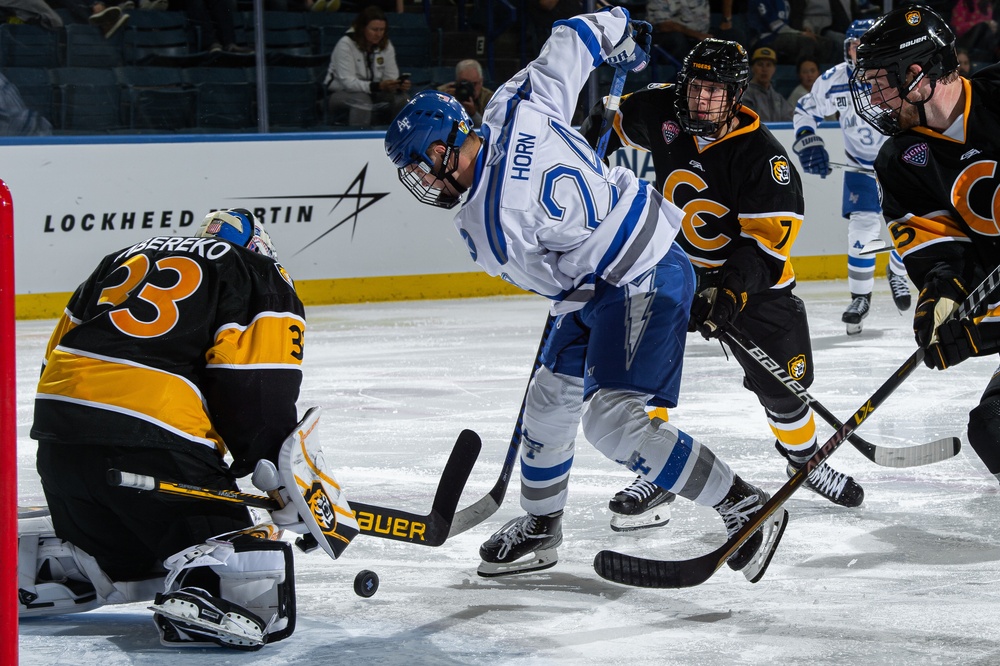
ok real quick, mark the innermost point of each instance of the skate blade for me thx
(543, 559)
(854, 329)
(775, 527)
(654, 518)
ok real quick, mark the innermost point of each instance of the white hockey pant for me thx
(617, 424)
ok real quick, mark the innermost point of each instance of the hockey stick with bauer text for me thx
(641, 572)
(908, 456)
(485, 507)
(375, 521)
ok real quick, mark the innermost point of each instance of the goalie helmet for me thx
(853, 37)
(911, 35)
(430, 117)
(240, 227)
(718, 61)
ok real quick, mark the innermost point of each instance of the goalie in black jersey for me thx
(172, 353)
(743, 206)
(937, 173)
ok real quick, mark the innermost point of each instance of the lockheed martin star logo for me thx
(361, 199)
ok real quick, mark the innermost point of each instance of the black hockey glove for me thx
(728, 303)
(958, 339)
(701, 308)
(938, 300)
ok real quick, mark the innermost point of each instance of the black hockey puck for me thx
(366, 583)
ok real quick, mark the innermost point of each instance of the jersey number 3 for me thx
(187, 279)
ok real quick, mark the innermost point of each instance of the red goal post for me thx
(8, 436)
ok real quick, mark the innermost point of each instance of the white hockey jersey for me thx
(544, 212)
(831, 93)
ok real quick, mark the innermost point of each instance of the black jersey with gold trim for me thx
(183, 343)
(738, 192)
(941, 191)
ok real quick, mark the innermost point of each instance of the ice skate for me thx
(640, 506)
(855, 312)
(828, 482)
(736, 509)
(900, 290)
(524, 544)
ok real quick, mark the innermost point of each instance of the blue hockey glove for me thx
(632, 52)
(812, 154)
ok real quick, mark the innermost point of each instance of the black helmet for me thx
(712, 60)
(911, 35)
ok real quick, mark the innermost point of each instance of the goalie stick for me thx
(486, 506)
(375, 521)
(642, 572)
(908, 456)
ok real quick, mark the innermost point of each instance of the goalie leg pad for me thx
(249, 573)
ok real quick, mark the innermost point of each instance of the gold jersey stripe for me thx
(269, 339)
(161, 396)
(65, 324)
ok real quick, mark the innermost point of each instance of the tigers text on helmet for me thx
(717, 61)
(240, 227)
(430, 117)
(853, 36)
(910, 35)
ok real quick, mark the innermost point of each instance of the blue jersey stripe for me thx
(632, 218)
(586, 34)
(494, 228)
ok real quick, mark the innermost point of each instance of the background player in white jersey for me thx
(173, 353)
(831, 94)
(937, 172)
(743, 205)
(545, 213)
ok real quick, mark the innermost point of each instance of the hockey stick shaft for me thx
(610, 109)
(643, 572)
(376, 521)
(911, 456)
(486, 506)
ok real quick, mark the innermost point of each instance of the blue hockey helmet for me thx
(240, 227)
(853, 36)
(430, 117)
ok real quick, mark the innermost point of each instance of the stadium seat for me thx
(226, 97)
(157, 98)
(35, 86)
(89, 99)
(28, 46)
(293, 96)
(87, 47)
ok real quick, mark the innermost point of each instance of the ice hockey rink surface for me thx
(910, 577)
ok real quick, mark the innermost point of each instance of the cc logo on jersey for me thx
(693, 223)
(964, 199)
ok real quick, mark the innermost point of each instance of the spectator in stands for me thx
(32, 12)
(729, 27)
(808, 71)
(770, 19)
(760, 95)
(468, 89)
(16, 119)
(975, 29)
(108, 18)
(678, 25)
(817, 18)
(363, 77)
(964, 62)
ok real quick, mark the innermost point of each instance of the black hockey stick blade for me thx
(434, 528)
(908, 456)
(631, 570)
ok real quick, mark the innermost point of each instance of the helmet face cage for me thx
(718, 61)
(430, 118)
(853, 36)
(913, 35)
